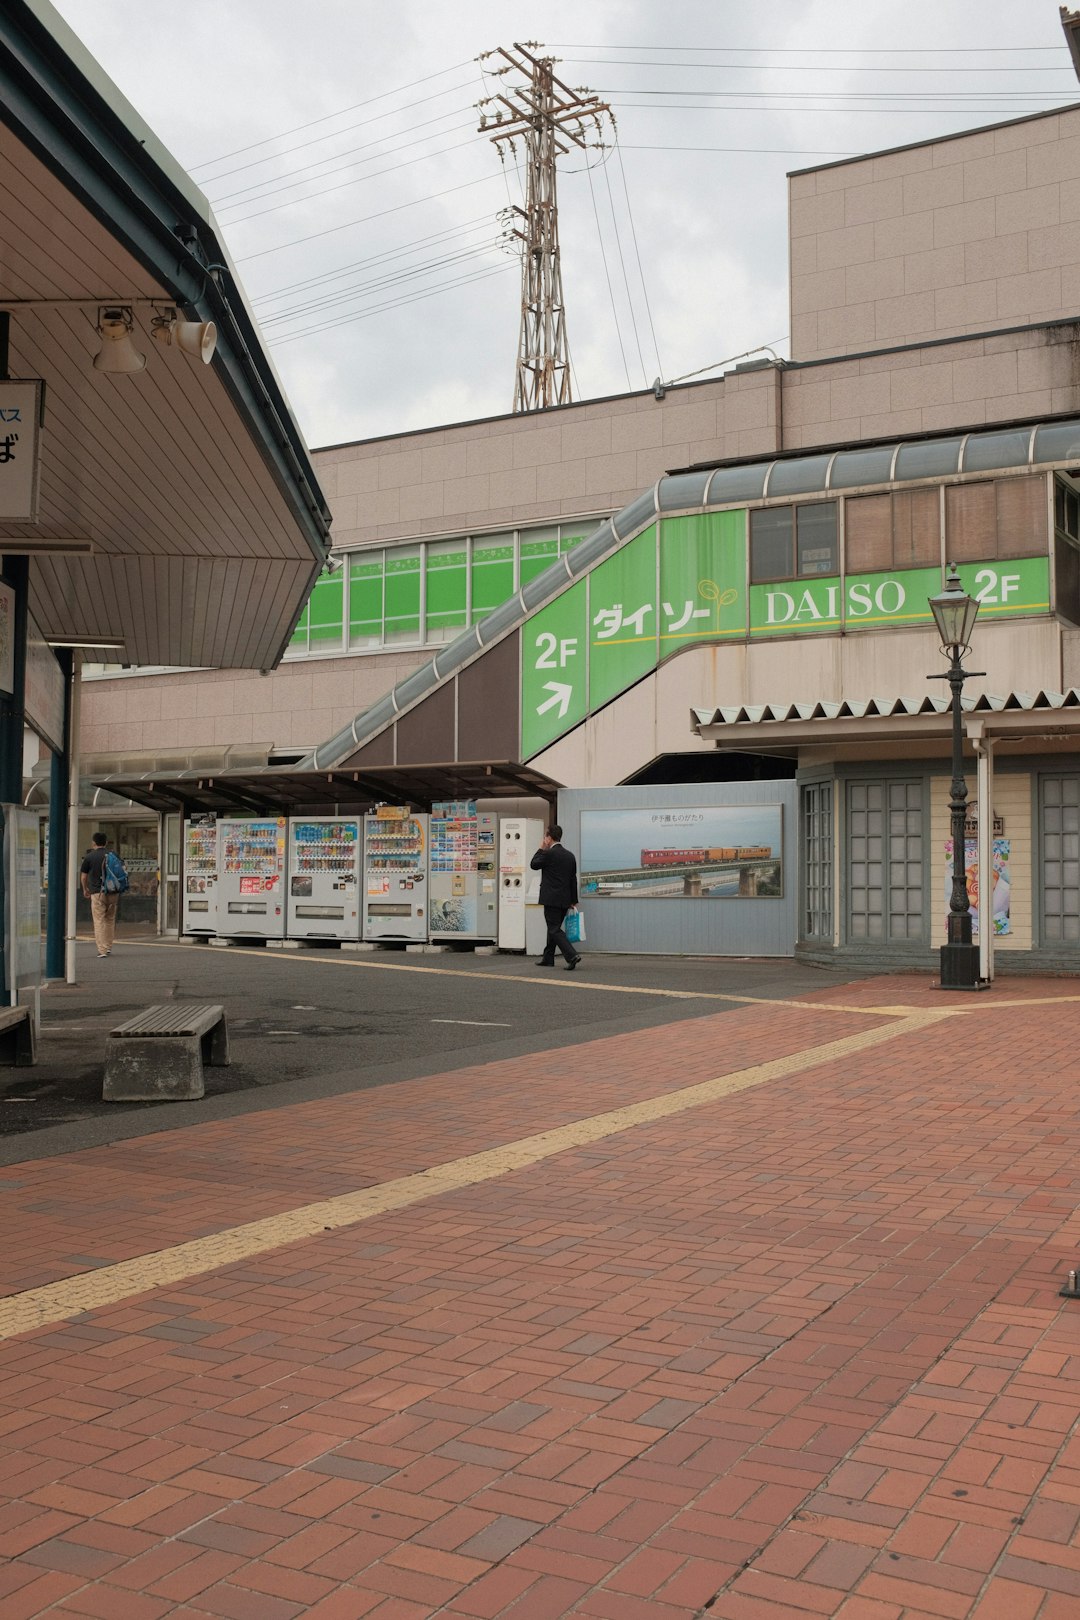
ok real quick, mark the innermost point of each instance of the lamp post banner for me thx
(20, 415)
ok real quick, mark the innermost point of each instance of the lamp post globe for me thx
(954, 614)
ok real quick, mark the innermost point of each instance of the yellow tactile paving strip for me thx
(54, 1302)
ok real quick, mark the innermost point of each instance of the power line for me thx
(853, 95)
(298, 129)
(343, 185)
(484, 275)
(607, 276)
(379, 282)
(625, 277)
(637, 254)
(365, 219)
(389, 253)
(824, 50)
(822, 67)
(282, 182)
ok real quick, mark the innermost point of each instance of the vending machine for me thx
(251, 881)
(464, 901)
(324, 878)
(521, 919)
(395, 874)
(201, 874)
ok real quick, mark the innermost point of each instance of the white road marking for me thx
(479, 1023)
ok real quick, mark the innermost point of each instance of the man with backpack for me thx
(104, 880)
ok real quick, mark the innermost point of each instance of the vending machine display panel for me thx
(464, 860)
(251, 888)
(201, 875)
(324, 878)
(395, 875)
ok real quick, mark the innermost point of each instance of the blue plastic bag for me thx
(574, 927)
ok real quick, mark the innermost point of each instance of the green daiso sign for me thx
(665, 591)
(863, 601)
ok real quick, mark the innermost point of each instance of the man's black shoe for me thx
(572, 964)
(542, 961)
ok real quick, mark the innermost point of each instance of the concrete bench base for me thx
(17, 1033)
(144, 1063)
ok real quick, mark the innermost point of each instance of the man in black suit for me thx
(558, 894)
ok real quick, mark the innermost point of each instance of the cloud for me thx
(710, 225)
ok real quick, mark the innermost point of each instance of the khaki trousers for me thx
(103, 910)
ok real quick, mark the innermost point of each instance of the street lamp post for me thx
(954, 614)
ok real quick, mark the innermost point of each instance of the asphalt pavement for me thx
(313, 1023)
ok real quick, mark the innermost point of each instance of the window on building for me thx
(885, 861)
(402, 582)
(446, 572)
(1059, 858)
(492, 573)
(817, 861)
(1067, 551)
(539, 549)
(1003, 517)
(793, 542)
(890, 532)
(425, 593)
(365, 601)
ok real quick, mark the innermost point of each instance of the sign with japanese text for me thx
(702, 579)
(20, 408)
(650, 600)
(554, 669)
(622, 619)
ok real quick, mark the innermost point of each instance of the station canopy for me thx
(179, 520)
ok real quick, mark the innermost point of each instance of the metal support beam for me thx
(73, 862)
(56, 907)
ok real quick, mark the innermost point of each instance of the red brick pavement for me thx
(795, 1353)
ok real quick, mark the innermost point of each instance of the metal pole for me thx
(959, 956)
(73, 861)
(959, 913)
(58, 835)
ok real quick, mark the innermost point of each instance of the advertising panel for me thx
(716, 852)
(1001, 893)
(649, 600)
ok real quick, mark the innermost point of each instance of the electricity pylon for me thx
(539, 113)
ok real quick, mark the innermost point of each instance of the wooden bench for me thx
(17, 1037)
(159, 1055)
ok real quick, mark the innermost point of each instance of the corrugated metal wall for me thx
(690, 927)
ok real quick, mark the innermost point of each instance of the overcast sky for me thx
(673, 243)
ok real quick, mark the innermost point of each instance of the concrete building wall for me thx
(963, 234)
(516, 470)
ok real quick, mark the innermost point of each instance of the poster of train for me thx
(724, 852)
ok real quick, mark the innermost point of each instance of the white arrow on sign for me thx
(560, 694)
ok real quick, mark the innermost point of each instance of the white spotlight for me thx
(197, 338)
(118, 353)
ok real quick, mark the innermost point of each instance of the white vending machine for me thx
(201, 874)
(324, 878)
(251, 882)
(464, 901)
(395, 875)
(521, 920)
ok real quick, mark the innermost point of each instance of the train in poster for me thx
(704, 857)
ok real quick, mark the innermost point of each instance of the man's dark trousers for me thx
(555, 916)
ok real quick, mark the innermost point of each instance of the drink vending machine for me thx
(251, 881)
(324, 878)
(464, 894)
(521, 919)
(201, 874)
(395, 874)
